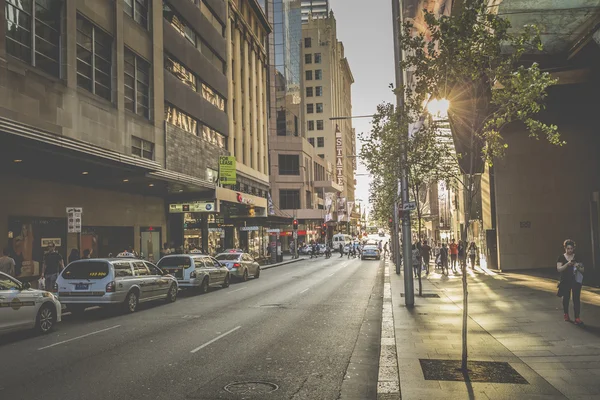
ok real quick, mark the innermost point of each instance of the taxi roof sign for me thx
(126, 254)
(195, 251)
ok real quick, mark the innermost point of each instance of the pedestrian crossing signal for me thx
(295, 224)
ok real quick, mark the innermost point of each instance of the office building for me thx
(317, 9)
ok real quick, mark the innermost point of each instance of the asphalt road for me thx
(296, 327)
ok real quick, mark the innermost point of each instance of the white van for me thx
(342, 239)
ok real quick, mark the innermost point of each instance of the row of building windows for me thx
(139, 10)
(320, 141)
(184, 121)
(308, 58)
(309, 75)
(317, 91)
(310, 108)
(184, 28)
(191, 80)
(311, 125)
(210, 16)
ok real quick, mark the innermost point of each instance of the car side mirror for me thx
(26, 286)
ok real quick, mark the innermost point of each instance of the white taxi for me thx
(24, 308)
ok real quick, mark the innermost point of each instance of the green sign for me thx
(227, 174)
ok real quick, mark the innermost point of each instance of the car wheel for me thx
(131, 302)
(46, 319)
(172, 295)
(245, 276)
(257, 274)
(226, 282)
(76, 309)
(204, 286)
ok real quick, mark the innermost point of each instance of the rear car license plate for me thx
(82, 286)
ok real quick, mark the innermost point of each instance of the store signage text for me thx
(249, 228)
(339, 158)
(227, 170)
(197, 206)
(244, 200)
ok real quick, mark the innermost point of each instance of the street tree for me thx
(474, 58)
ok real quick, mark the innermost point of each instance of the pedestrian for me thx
(74, 256)
(426, 254)
(416, 260)
(453, 254)
(341, 250)
(462, 254)
(571, 279)
(436, 252)
(7, 263)
(53, 265)
(385, 250)
(444, 258)
(472, 253)
(87, 254)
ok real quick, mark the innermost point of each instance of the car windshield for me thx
(228, 257)
(370, 247)
(86, 270)
(174, 262)
(6, 283)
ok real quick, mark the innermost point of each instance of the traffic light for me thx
(391, 223)
(295, 224)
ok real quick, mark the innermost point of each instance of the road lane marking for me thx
(304, 290)
(236, 290)
(330, 275)
(215, 339)
(80, 337)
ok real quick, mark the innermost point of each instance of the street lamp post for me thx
(409, 290)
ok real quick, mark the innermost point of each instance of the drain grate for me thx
(251, 387)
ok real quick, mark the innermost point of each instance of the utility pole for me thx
(409, 289)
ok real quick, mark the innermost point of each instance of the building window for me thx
(138, 10)
(322, 156)
(212, 18)
(319, 107)
(317, 58)
(318, 74)
(289, 199)
(309, 92)
(289, 164)
(176, 117)
(94, 59)
(308, 199)
(137, 84)
(308, 75)
(213, 97)
(181, 72)
(142, 148)
(311, 125)
(311, 141)
(308, 59)
(211, 56)
(310, 108)
(212, 175)
(320, 142)
(319, 91)
(42, 17)
(319, 124)
(213, 137)
(307, 43)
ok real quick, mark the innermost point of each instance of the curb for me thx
(269, 266)
(388, 382)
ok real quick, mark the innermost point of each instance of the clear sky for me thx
(365, 28)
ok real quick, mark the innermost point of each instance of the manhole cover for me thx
(251, 387)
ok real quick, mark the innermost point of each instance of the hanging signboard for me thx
(227, 171)
(74, 219)
(339, 157)
(192, 207)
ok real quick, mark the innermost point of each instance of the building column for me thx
(246, 82)
(238, 96)
(261, 120)
(230, 89)
(254, 118)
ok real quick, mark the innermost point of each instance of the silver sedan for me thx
(240, 265)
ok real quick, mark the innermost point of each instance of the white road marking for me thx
(304, 290)
(236, 290)
(330, 275)
(215, 339)
(79, 337)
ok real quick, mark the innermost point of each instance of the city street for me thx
(296, 328)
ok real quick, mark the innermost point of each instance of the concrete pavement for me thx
(514, 318)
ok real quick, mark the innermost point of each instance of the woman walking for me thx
(462, 254)
(472, 254)
(571, 279)
(416, 260)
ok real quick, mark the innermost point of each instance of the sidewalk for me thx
(286, 260)
(513, 318)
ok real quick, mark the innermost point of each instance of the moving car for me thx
(341, 238)
(195, 271)
(24, 308)
(240, 265)
(123, 281)
(370, 251)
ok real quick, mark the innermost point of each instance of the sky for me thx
(365, 28)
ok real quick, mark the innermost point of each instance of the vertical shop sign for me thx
(341, 209)
(339, 157)
(329, 206)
